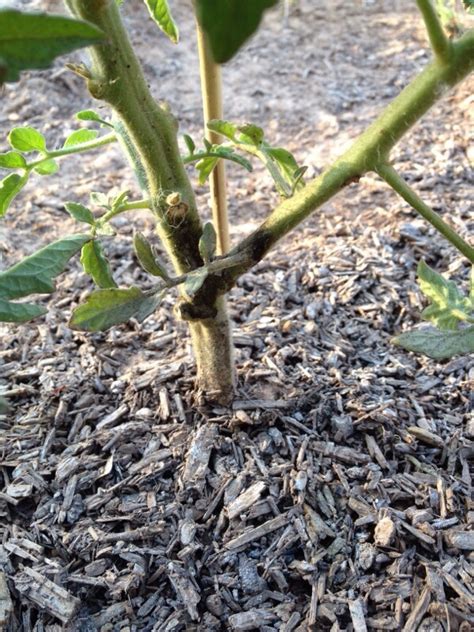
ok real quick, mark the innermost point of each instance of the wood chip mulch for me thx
(336, 494)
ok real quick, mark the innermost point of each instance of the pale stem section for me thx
(211, 88)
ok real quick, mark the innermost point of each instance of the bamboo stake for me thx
(211, 88)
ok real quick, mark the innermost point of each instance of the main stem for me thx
(148, 133)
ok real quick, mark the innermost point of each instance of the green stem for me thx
(438, 40)
(123, 208)
(75, 149)
(370, 150)
(398, 184)
(148, 131)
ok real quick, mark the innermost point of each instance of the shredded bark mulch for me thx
(336, 493)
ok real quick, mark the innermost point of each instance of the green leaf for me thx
(206, 164)
(106, 308)
(35, 274)
(90, 115)
(189, 144)
(205, 167)
(469, 6)
(229, 23)
(80, 136)
(449, 305)
(161, 14)
(33, 40)
(9, 189)
(225, 128)
(100, 199)
(12, 160)
(147, 258)
(19, 312)
(253, 134)
(208, 242)
(437, 344)
(96, 265)
(80, 212)
(47, 168)
(194, 281)
(27, 139)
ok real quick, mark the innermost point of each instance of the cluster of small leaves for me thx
(450, 311)
(33, 40)
(281, 163)
(206, 159)
(25, 141)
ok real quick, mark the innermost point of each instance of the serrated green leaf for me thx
(80, 136)
(194, 281)
(80, 212)
(35, 274)
(189, 144)
(205, 167)
(449, 305)
(106, 308)
(33, 40)
(252, 134)
(148, 261)
(225, 128)
(208, 242)
(12, 160)
(161, 14)
(96, 265)
(47, 168)
(9, 189)
(229, 24)
(27, 139)
(19, 312)
(436, 343)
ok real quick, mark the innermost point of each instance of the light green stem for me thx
(438, 40)
(123, 208)
(398, 184)
(370, 150)
(75, 149)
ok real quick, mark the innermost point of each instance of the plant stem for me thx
(368, 152)
(211, 89)
(76, 149)
(438, 40)
(123, 208)
(398, 184)
(147, 130)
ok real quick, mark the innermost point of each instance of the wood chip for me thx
(356, 609)
(245, 500)
(6, 604)
(47, 595)
(258, 532)
(199, 453)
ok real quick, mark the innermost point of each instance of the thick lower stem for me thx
(213, 351)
